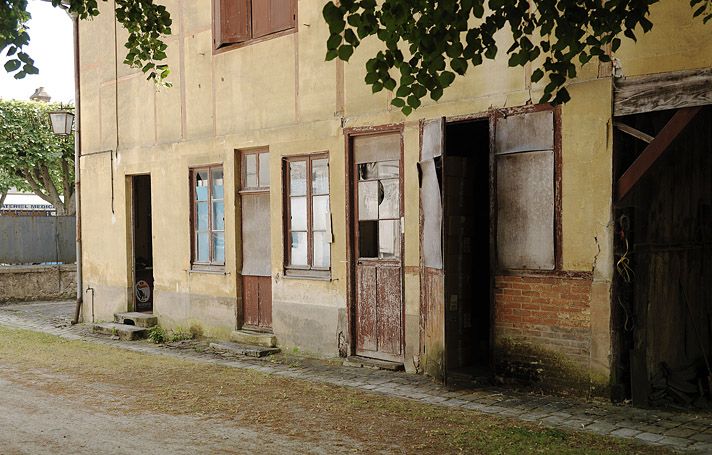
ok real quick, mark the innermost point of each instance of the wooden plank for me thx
(389, 310)
(264, 285)
(657, 92)
(366, 331)
(232, 24)
(634, 132)
(655, 150)
(250, 300)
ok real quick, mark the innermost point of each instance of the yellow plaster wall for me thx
(281, 93)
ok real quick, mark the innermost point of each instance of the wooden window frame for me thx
(211, 265)
(219, 46)
(308, 270)
(558, 269)
(244, 188)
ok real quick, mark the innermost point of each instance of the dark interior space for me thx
(142, 243)
(466, 220)
(662, 303)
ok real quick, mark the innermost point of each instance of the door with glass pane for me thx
(378, 222)
(256, 240)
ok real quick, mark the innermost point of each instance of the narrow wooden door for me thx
(256, 242)
(378, 245)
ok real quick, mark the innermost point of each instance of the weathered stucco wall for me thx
(20, 283)
(281, 93)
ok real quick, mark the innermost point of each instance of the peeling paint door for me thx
(378, 222)
(256, 242)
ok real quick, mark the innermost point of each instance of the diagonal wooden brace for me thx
(655, 150)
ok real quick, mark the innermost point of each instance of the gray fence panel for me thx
(37, 239)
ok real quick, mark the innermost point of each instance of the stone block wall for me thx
(37, 283)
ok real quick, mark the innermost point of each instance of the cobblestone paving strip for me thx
(685, 432)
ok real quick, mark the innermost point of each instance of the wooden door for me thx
(142, 243)
(256, 242)
(378, 245)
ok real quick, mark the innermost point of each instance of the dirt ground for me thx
(61, 396)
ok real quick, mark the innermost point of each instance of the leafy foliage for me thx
(428, 43)
(32, 157)
(147, 23)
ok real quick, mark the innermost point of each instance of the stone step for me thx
(364, 362)
(243, 349)
(135, 318)
(250, 337)
(123, 331)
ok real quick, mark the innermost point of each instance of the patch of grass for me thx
(306, 410)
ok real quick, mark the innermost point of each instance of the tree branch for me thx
(3, 195)
(35, 186)
(51, 189)
(68, 187)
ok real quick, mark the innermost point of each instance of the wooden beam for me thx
(634, 132)
(655, 150)
(658, 92)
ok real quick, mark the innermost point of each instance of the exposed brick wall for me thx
(549, 312)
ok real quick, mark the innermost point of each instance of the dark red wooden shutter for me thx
(271, 16)
(231, 22)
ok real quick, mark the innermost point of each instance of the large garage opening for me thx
(466, 228)
(662, 301)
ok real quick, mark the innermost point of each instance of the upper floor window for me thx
(238, 21)
(255, 170)
(208, 217)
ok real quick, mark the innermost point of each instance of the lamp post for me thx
(61, 122)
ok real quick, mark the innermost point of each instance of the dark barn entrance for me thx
(142, 243)
(662, 302)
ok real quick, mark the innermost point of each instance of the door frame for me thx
(131, 238)
(352, 241)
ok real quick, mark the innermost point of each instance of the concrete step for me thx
(250, 337)
(243, 349)
(136, 318)
(123, 331)
(364, 362)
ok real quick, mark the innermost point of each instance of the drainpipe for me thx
(77, 169)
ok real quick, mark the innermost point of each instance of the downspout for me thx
(77, 169)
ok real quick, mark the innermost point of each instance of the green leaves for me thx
(430, 43)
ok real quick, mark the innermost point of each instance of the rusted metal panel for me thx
(256, 244)
(366, 330)
(33, 239)
(525, 210)
(658, 92)
(527, 132)
(389, 310)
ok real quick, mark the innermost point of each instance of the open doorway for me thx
(662, 310)
(467, 258)
(142, 233)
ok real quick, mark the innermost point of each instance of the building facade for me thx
(270, 190)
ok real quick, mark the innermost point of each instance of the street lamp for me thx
(62, 122)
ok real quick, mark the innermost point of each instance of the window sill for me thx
(229, 47)
(297, 274)
(208, 270)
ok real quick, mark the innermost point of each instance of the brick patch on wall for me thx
(550, 312)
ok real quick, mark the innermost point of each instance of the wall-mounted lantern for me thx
(62, 122)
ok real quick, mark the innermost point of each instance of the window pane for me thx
(201, 185)
(368, 200)
(217, 182)
(389, 239)
(322, 253)
(251, 171)
(201, 209)
(388, 169)
(367, 171)
(298, 178)
(299, 248)
(219, 247)
(264, 170)
(390, 199)
(298, 212)
(202, 250)
(368, 239)
(320, 213)
(320, 176)
(218, 216)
